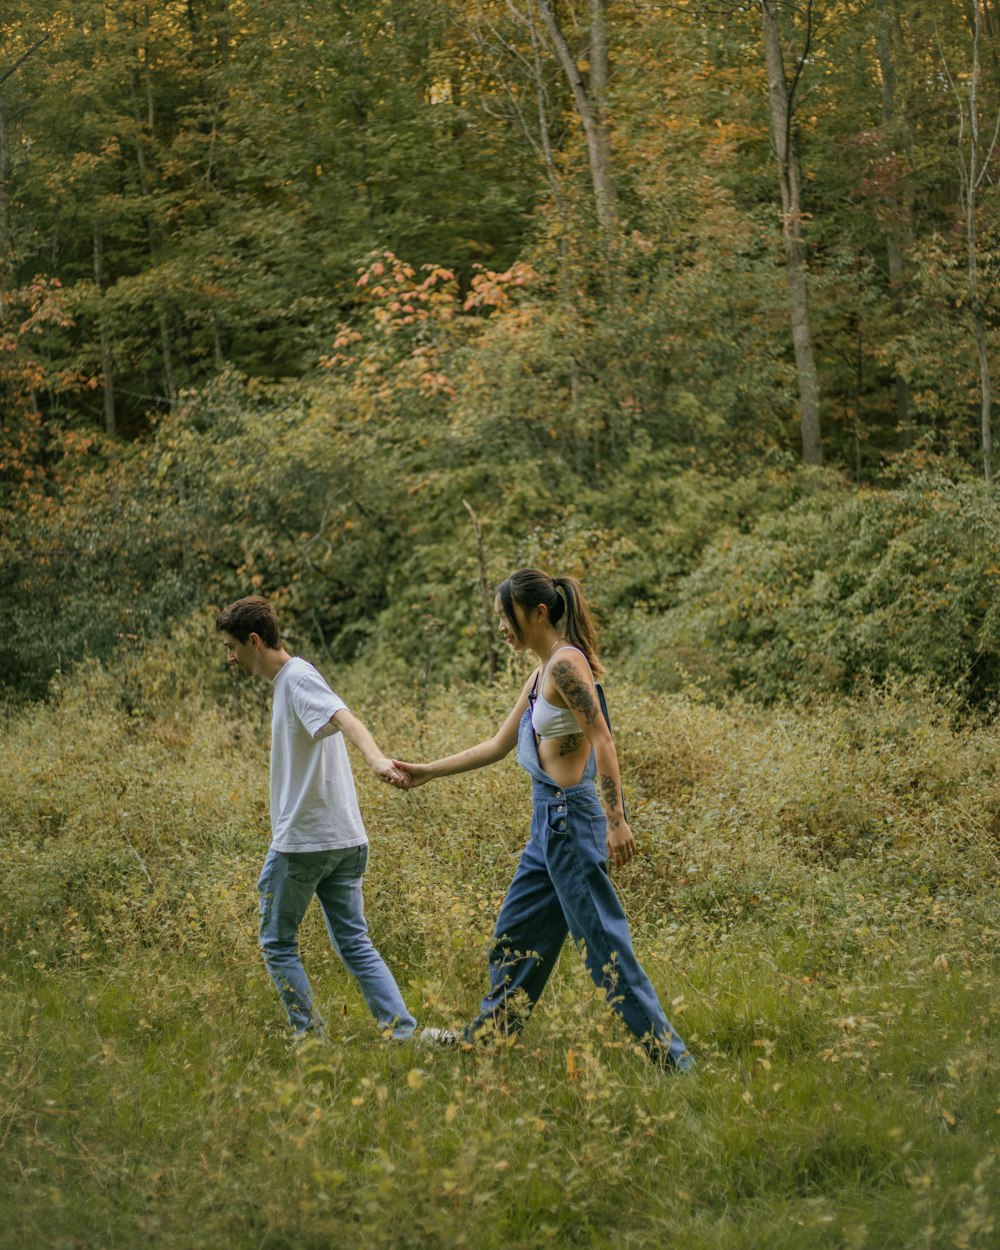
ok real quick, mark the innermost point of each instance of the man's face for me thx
(245, 655)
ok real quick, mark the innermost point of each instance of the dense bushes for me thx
(778, 582)
(840, 591)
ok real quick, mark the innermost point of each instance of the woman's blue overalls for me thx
(562, 887)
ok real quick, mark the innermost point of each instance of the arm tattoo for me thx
(609, 793)
(578, 695)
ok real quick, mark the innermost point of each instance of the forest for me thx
(361, 307)
(285, 286)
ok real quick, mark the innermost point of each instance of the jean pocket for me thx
(305, 867)
(599, 833)
(557, 820)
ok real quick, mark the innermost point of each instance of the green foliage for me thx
(842, 590)
(203, 183)
(343, 501)
(220, 171)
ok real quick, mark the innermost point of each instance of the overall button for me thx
(560, 808)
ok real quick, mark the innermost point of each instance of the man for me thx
(319, 845)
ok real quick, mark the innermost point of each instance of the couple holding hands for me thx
(559, 726)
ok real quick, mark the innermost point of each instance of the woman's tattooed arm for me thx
(608, 789)
(579, 695)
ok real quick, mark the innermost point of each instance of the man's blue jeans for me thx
(287, 883)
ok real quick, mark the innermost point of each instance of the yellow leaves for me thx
(762, 1062)
(572, 1070)
(368, 1086)
(415, 1078)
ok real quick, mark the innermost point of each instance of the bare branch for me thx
(21, 59)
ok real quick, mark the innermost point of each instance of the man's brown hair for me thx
(251, 615)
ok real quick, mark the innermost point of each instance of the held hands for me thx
(408, 776)
(621, 844)
(390, 772)
(413, 774)
(399, 775)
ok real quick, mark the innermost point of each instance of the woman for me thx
(561, 884)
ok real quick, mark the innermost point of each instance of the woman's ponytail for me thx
(579, 623)
(566, 603)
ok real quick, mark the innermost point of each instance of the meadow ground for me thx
(816, 900)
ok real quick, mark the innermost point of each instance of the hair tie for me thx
(560, 604)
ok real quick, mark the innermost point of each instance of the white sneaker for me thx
(439, 1037)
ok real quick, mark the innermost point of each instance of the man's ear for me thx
(254, 641)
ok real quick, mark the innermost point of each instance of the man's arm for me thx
(355, 732)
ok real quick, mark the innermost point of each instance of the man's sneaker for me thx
(439, 1037)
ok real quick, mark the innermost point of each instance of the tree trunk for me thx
(545, 139)
(590, 106)
(6, 225)
(972, 173)
(166, 352)
(986, 411)
(599, 76)
(107, 368)
(146, 123)
(220, 357)
(897, 228)
(782, 103)
(485, 595)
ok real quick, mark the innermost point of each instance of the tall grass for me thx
(815, 900)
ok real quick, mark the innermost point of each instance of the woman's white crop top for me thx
(548, 720)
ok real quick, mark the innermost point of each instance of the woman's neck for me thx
(544, 647)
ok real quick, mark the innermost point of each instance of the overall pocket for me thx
(557, 819)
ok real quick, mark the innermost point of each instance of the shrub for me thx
(838, 593)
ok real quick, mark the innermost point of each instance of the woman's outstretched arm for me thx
(483, 753)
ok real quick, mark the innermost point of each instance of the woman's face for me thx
(507, 631)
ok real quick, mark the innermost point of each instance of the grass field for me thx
(816, 900)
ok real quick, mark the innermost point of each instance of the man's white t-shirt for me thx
(314, 805)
